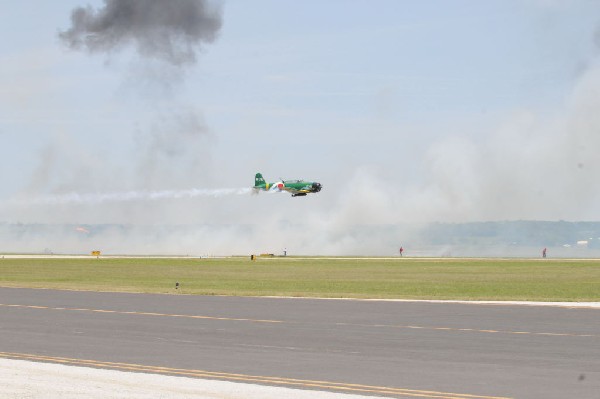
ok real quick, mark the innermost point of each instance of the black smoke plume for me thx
(166, 30)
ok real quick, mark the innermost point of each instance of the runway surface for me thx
(21, 379)
(392, 349)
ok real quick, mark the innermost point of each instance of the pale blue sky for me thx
(422, 104)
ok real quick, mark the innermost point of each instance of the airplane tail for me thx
(258, 180)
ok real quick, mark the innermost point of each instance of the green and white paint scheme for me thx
(298, 188)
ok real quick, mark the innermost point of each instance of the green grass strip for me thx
(464, 279)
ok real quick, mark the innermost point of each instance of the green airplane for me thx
(298, 188)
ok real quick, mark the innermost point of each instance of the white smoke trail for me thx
(97, 198)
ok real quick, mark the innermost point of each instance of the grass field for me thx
(470, 279)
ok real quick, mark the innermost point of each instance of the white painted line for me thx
(586, 305)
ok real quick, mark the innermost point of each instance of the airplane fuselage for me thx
(298, 188)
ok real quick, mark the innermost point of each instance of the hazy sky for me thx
(405, 111)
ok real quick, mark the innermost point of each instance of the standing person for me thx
(401, 250)
(544, 253)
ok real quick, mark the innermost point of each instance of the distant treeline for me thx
(518, 233)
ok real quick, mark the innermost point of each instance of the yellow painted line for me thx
(279, 381)
(140, 313)
(475, 330)
(201, 317)
(496, 331)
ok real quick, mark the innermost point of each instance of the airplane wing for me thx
(297, 191)
(291, 190)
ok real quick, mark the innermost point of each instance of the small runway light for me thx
(176, 285)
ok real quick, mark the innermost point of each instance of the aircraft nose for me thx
(316, 187)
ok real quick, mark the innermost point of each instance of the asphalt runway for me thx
(392, 349)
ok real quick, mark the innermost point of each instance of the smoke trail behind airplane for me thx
(125, 196)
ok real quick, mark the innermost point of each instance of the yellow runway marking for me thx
(141, 313)
(475, 330)
(279, 381)
(429, 328)
(498, 331)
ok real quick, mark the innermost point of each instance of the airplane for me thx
(298, 188)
